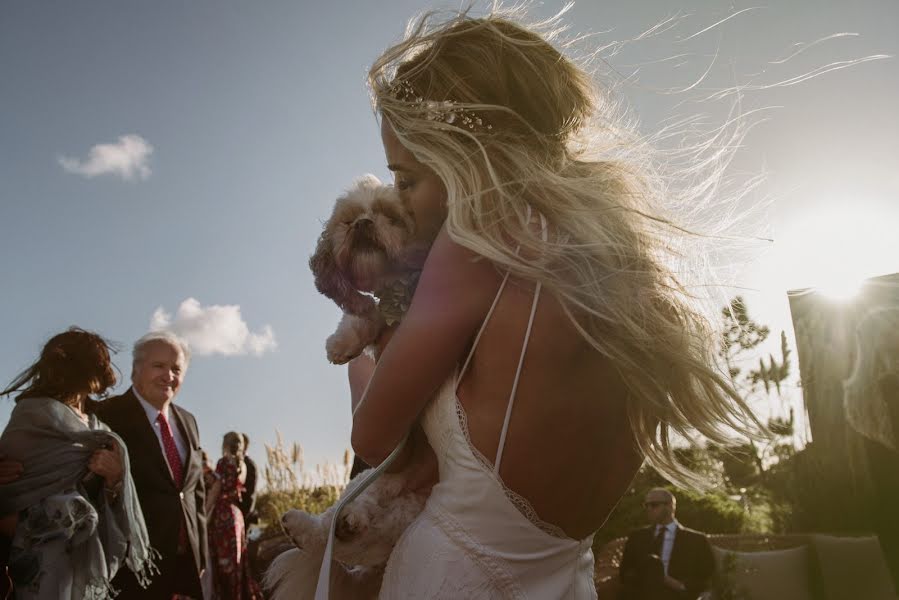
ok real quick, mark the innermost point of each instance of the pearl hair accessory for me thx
(444, 111)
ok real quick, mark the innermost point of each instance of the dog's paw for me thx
(304, 530)
(342, 348)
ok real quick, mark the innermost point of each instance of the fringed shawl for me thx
(54, 446)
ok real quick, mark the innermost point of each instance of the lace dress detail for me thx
(476, 538)
(520, 502)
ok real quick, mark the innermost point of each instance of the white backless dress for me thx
(477, 539)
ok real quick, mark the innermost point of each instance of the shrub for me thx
(710, 512)
(289, 485)
(272, 504)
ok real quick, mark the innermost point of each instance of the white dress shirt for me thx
(667, 542)
(152, 414)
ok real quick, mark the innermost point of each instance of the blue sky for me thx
(250, 118)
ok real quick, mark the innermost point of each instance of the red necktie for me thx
(171, 451)
(174, 460)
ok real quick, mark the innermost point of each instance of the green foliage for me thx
(288, 485)
(702, 462)
(739, 330)
(711, 512)
(272, 504)
(747, 464)
(741, 336)
(739, 464)
(774, 373)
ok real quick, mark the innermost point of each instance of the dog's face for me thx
(363, 242)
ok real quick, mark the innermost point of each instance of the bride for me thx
(559, 349)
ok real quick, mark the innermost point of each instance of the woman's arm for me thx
(107, 463)
(359, 372)
(212, 496)
(453, 296)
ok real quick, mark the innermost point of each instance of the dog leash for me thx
(322, 588)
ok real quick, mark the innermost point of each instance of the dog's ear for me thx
(329, 280)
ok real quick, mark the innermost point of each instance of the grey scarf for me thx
(54, 446)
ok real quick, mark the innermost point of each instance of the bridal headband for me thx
(444, 111)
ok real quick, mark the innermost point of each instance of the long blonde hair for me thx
(509, 124)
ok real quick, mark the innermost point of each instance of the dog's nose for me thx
(363, 222)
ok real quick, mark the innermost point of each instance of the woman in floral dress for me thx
(227, 535)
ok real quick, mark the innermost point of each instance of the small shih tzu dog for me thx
(365, 534)
(368, 261)
(368, 246)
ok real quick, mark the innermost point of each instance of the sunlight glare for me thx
(841, 291)
(836, 249)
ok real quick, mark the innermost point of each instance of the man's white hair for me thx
(140, 346)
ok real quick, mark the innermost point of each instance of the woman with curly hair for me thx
(73, 513)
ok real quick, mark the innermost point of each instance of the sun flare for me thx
(836, 249)
(841, 291)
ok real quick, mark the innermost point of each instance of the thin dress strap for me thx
(524, 348)
(527, 336)
(481, 330)
(499, 293)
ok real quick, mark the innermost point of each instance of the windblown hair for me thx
(540, 135)
(72, 363)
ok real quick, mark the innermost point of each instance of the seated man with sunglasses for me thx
(665, 560)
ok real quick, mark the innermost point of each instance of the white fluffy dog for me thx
(367, 246)
(366, 532)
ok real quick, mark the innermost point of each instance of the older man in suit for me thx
(166, 464)
(665, 561)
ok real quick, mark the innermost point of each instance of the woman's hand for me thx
(107, 463)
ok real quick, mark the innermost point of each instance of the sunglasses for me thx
(653, 504)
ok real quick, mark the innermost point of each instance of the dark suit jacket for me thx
(248, 498)
(163, 504)
(691, 561)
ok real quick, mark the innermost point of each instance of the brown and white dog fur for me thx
(366, 532)
(366, 246)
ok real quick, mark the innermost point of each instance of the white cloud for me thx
(126, 158)
(214, 329)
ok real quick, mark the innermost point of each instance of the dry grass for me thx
(288, 484)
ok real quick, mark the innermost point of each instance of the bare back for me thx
(569, 449)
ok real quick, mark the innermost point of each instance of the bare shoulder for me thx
(454, 271)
